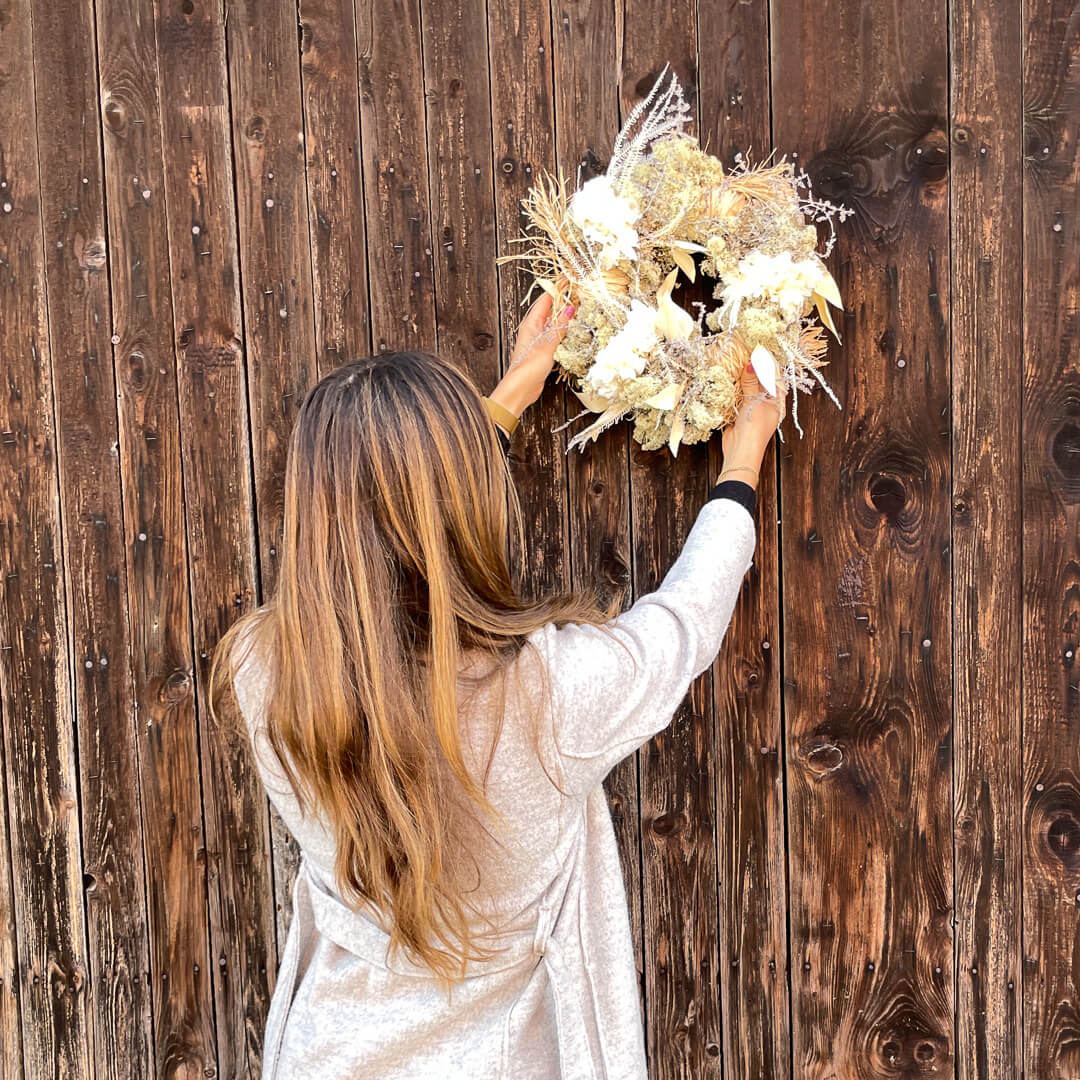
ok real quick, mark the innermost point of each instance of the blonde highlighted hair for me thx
(399, 509)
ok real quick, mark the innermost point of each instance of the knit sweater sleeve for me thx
(612, 687)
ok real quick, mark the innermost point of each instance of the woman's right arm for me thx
(613, 687)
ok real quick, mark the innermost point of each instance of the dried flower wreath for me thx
(615, 248)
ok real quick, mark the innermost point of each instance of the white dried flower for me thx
(788, 282)
(625, 354)
(606, 219)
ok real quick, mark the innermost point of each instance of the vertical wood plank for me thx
(750, 798)
(1051, 519)
(80, 320)
(11, 1047)
(334, 180)
(35, 673)
(598, 503)
(678, 779)
(987, 367)
(211, 389)
(157, 575)
(457, 91)
(865, 549)
(401, 264)
(523, 122)
(275, 252)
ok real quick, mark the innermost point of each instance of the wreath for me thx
(615, 248)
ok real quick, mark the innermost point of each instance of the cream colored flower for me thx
(626, 353)
(789, 282)
(606, 219)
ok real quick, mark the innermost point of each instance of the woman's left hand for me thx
(533, 355)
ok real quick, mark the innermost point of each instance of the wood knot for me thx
(91, 254)
(256, 129)
(482, 340)
(887, 495)
(824, 758)
(176, 687)
(115, 115)
(1065, 453)
(1055, 821)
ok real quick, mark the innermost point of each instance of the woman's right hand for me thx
(745, 441)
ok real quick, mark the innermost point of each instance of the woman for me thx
(437, 745)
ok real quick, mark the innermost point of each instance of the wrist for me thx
(512, 393)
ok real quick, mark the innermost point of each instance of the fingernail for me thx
(568, 311)
(749, 367)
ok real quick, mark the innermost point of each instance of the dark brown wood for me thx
(80, 321)
(678, 779)
(213, 418)
(154, 538)
(749, 751)
(987, 370)
(524, 145)
(598, 498)
(11, 1048)
(866, 550)
(1050, 426)
(394, 151)
(457, 93)
(334, 180)
(35, 653)
(272, 201)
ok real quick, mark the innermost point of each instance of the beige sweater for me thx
(562, 1000)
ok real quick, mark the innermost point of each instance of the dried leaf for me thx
(677, 427)
(684, 262)
(667, 398)
(592, 401)
(764, 364)
(674, 323)
(827, 289)
(826, 316)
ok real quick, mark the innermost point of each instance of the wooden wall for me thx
(856, 852)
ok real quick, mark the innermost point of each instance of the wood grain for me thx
(598, 479)
(750, 796)
(212, 408)
(987, 369)
(678, 778)
(11, 1048)
(457, 92)
(866, 551)
(334, 181)
(394, 151)
(523, 121)
(35, 653)
(1050, 426)
(80, 321)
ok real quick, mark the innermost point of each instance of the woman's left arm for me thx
(531, 362)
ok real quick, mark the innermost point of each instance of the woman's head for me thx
(394, 564)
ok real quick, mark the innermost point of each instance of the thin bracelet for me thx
(737, 468)
(501, 415)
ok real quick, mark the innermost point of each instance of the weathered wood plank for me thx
(394, 150)
(598, 501)
(987, 372)
(35, 657)
(11, 1047)
(210, 374)
(1050, 426)
(523, 123)
(865, 550)
(80, 320)
(756, 1006)
(457, 91)
(334, 180)
(272, 205)
(678, 778)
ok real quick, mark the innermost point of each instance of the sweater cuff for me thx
(738, 490)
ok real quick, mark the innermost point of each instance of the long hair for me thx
(398, 515)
